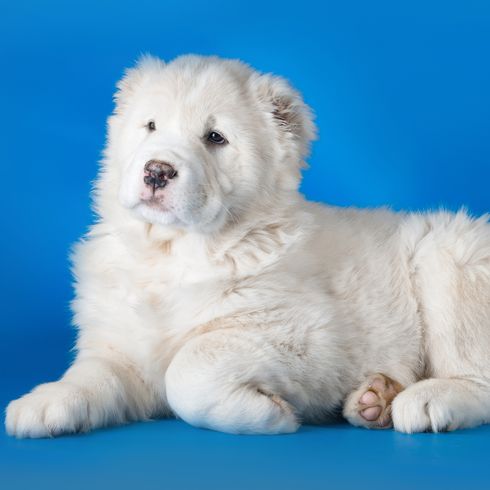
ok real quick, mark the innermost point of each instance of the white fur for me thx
(235, 304)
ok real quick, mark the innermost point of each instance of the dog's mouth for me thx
(155, 210)
(156, 203)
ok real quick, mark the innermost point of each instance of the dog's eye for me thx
(151, 126)
(216, 138)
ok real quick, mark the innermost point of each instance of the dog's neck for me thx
(248, 244)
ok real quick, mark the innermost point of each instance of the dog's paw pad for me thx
(370, 397)
(370, 405)
(374, 404)
(371, 413)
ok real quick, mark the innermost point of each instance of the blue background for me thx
(401, 93)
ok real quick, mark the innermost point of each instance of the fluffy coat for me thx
(230, 301)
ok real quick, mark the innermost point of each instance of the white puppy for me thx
(211, 290)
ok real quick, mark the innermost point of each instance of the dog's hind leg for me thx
(440, 405)
(452, 282)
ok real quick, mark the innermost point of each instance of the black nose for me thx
(158, 173)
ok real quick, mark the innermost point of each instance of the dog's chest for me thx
(167, 295)
(177, 292)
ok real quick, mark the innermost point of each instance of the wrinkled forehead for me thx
(195, 97)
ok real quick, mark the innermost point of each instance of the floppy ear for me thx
(291, 116)
(135, 77)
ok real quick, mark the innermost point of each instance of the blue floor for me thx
(170, 454)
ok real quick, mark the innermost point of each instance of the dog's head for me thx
(199, 141)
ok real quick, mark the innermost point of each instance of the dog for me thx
(211, 290)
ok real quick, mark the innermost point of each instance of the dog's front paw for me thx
(50, 410)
